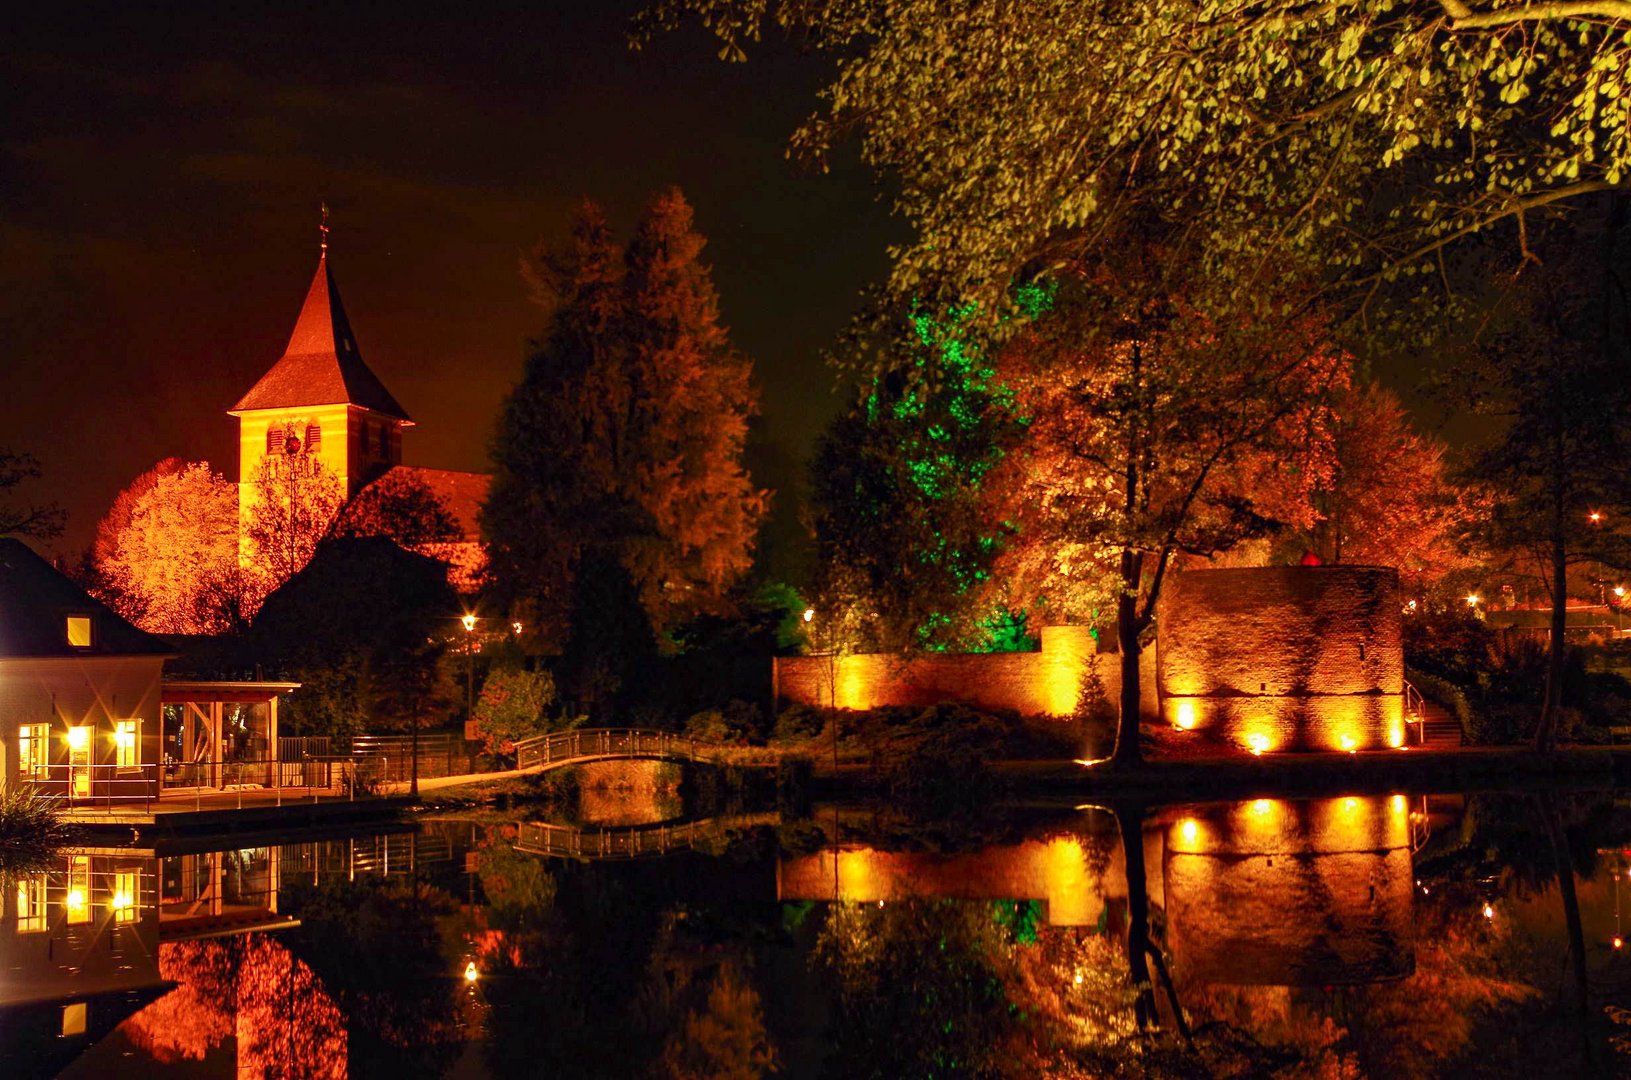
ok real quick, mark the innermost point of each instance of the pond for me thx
(1377, 935)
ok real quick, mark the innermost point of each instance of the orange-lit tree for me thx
(166, 554)
(1388, 499)
(296, 500)
(1154, 431)
(622, 446)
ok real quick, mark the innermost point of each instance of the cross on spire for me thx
(322, 229)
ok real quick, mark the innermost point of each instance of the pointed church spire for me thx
(321, 364)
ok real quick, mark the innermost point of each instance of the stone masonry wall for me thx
(1045, 683)
(1286, 657)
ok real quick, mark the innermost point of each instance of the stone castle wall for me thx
(1044, 683)
(1285, 657)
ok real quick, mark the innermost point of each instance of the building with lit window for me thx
(79, 685)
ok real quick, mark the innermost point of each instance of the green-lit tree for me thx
(895, 495)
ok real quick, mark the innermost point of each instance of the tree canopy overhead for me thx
(1353, 138)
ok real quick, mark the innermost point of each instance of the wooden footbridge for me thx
(634, 842)
(561, 748)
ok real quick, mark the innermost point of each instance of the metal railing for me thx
(538, 838)
(631, 842)
(1415, 713)
(590, 743)
(108, 786)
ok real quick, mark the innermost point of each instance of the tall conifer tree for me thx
(622, 446)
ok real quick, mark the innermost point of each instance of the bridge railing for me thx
(608, 742)
(539, 838)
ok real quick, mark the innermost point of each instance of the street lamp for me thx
(1595, 517)
(469, 622)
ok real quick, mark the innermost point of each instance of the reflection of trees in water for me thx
(379, 947)
(251, 988)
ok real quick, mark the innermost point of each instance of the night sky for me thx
(162, 175)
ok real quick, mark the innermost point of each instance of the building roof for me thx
(36, 600)
(322, 365)
(462, 493)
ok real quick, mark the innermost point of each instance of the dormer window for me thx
(78, 630)
(274, 440)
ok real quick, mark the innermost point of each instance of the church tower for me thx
(319, 401)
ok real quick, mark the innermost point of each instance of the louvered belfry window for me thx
(314, 437)
(274, 440)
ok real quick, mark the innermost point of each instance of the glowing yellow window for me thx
(127, 743)
(73, 1019)
(33, 750)
(31, 905)
(76, 902)
(79, 631)
(124, 896)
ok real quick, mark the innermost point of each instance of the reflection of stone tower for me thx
(319, 399)
(1278, 893)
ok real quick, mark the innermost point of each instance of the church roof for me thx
(321, 365)
(462, 493)
(36, 600)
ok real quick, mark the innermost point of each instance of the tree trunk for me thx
(1128, 752)
(1131, 820)
(1546, 732)
(1546, 805)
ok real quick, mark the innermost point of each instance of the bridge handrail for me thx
(627, 842)
(561, 746)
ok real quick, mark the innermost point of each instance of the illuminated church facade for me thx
(321, 401)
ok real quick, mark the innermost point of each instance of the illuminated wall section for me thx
(1282, 893)
(1061, 871)
(1285, 658)
(1044, 683)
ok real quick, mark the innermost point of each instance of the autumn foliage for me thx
(251, 988)
(166, 554)
(623, 442)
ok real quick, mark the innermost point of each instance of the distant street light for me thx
(1595, 517)
(809, 614)
(469, 622)
(1472, 600)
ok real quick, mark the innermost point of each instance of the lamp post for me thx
(469, 622)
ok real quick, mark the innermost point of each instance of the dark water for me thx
(1382, 936)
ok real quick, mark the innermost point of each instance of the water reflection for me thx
(1347, 936)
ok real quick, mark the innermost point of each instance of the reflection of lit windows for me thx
(79, 631)
(127, 743)
(73, 1019)
(33, 749)
(124, 896)
(31, 905)
(76, 902)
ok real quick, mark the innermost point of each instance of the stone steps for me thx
(1440, 729)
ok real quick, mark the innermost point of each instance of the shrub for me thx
(799, 722)
(737, 724)
(942, 771)
(32, 828)
(512, 707)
